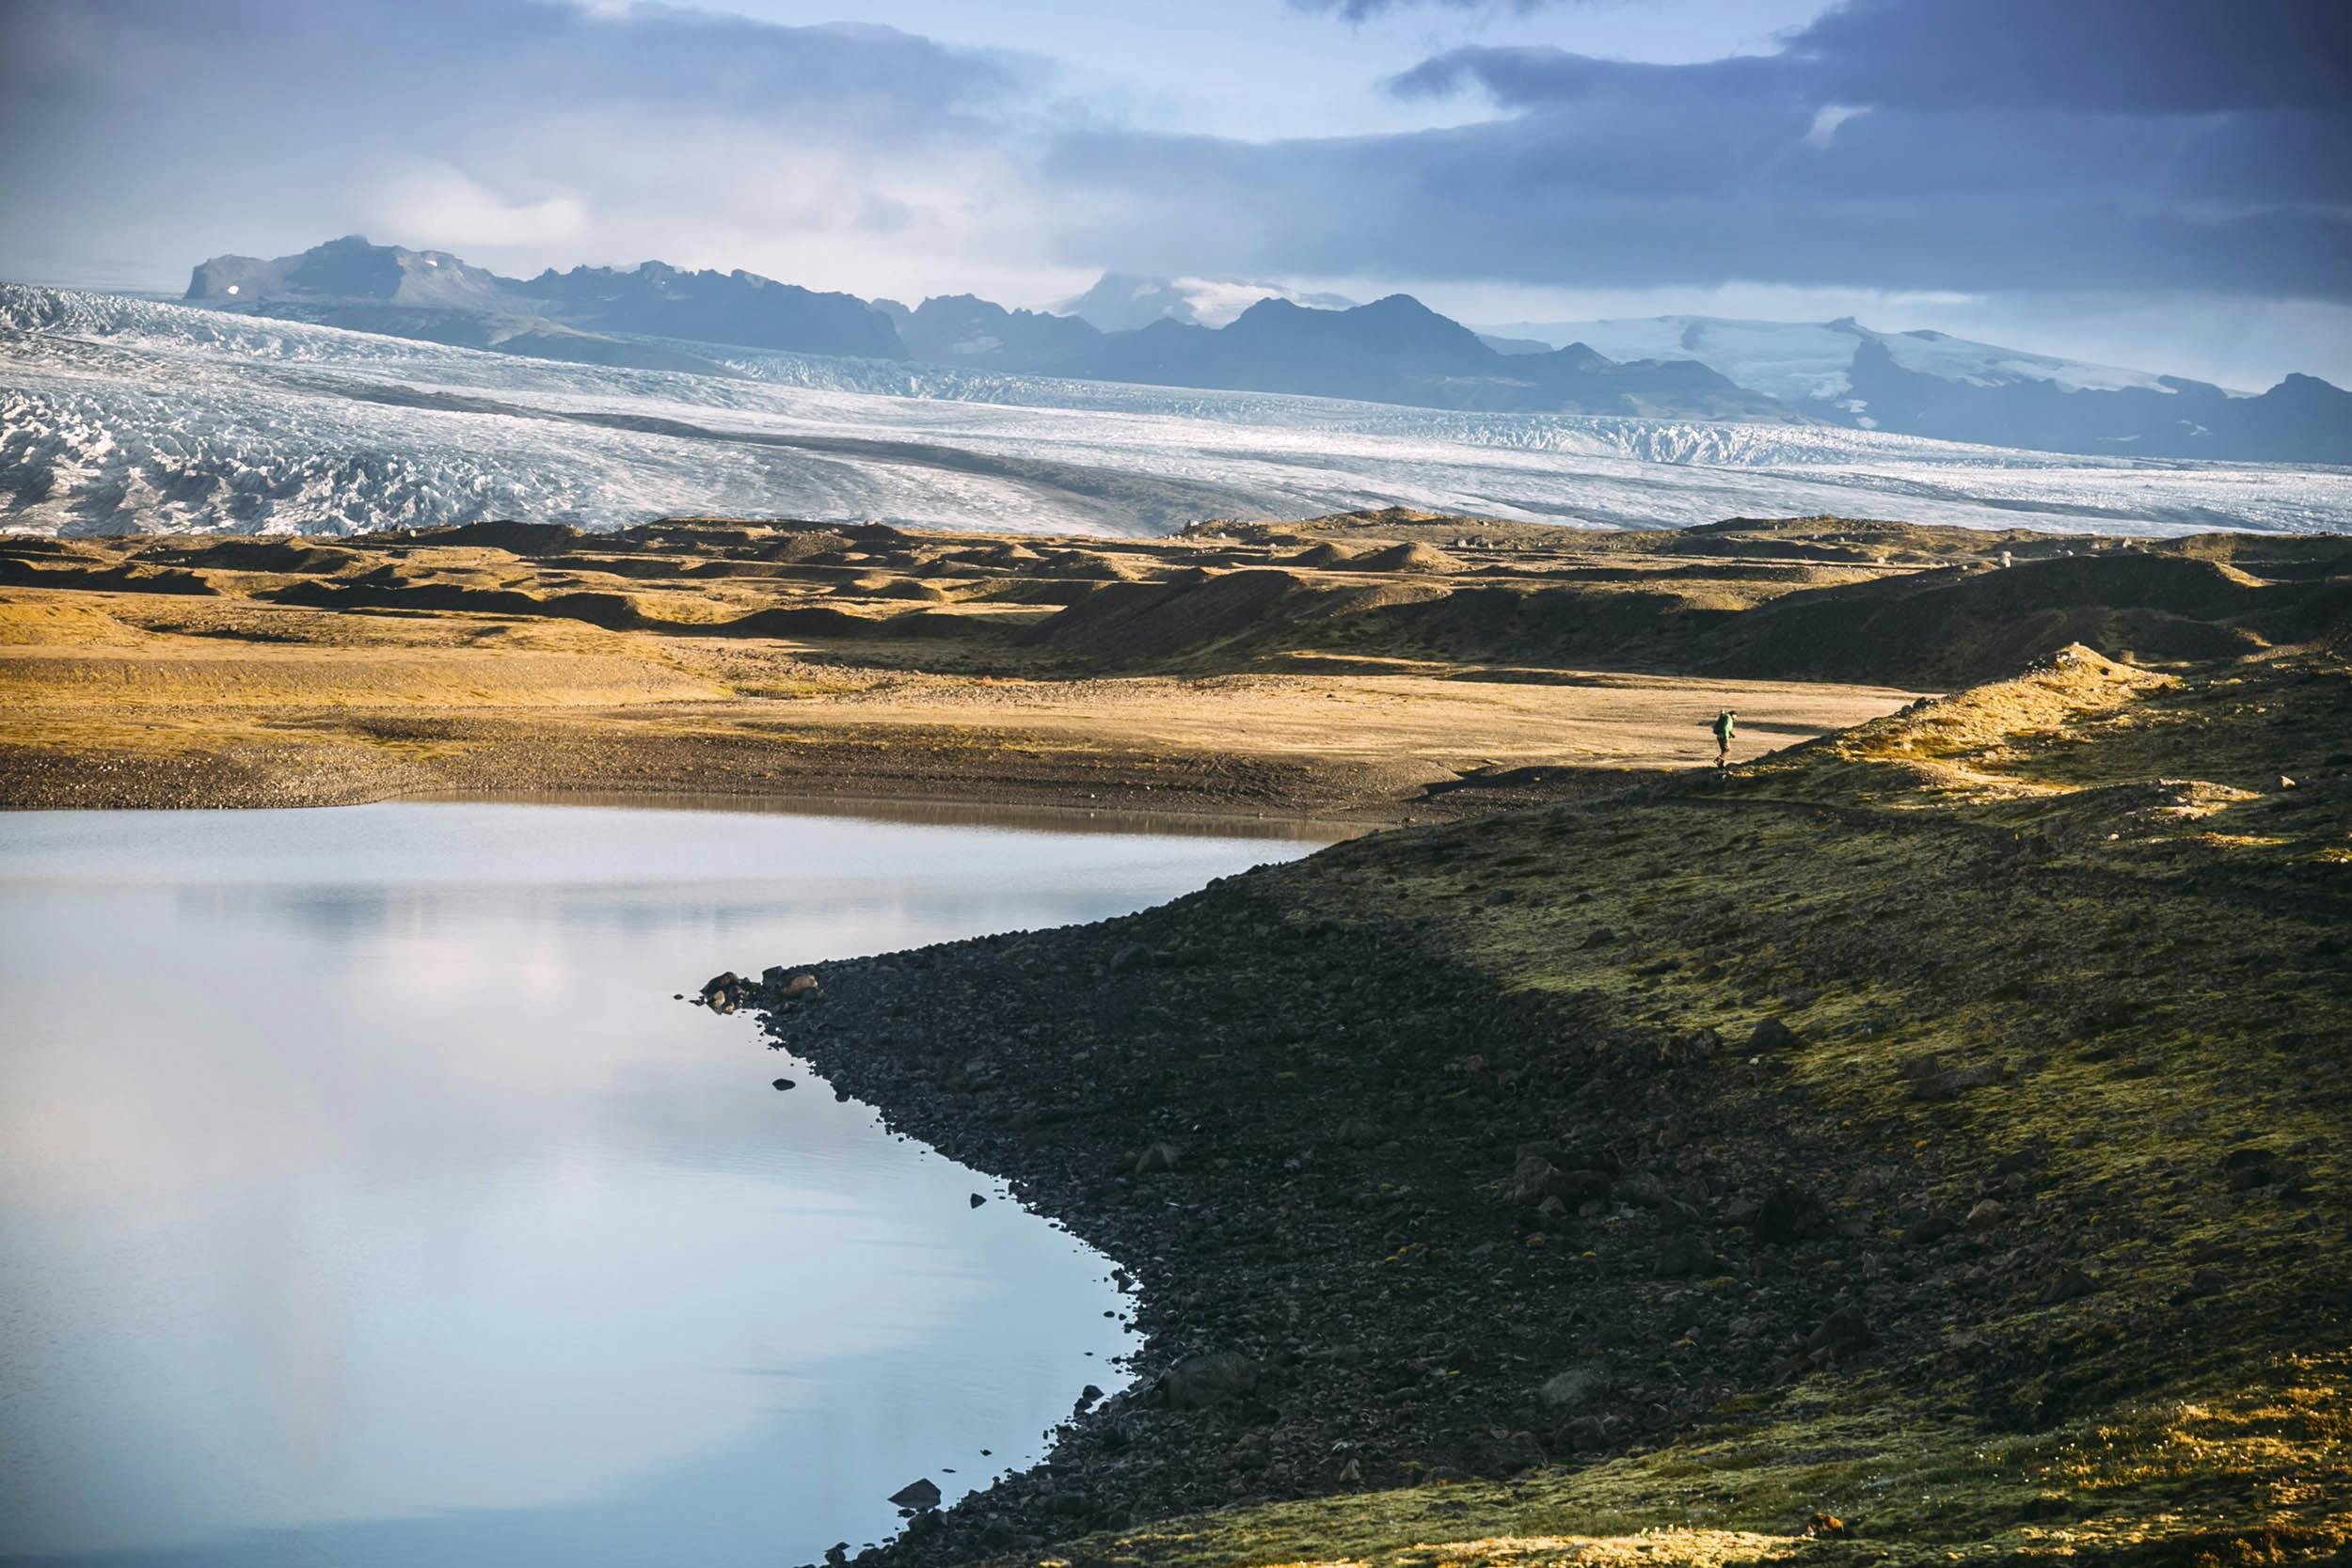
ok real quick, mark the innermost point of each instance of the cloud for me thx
(2129, 57)
(532, 132)
(1973, 145)
(436, 206)
(1361, 10)
(2173, 149)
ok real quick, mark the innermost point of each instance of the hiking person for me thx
(1727, 725)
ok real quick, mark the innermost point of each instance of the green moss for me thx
(2073, 919)
(2178, 1479)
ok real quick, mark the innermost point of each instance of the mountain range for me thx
(1255, 337)
(1924, 383)
(588, 313)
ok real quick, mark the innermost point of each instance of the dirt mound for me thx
(1411, 556)
(1323, 556)
(1087, 564)
(15, 573)
(796, 624)
(33, 622)
(1005, 557)
(1124, 625)
(1036, 591)
(612, 611)
(1960, 625)
(267, 555)
(1546, 626)
(515, 538)
(802, 544)
(877, 585)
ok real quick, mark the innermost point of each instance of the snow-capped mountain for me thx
(1125, 302)
(657, 317)
(435, 296)
(1802, 362)
(1925, 383)
(1254, 337)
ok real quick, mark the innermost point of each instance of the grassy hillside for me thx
(1927, 1144)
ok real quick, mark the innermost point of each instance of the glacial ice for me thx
(126, 415)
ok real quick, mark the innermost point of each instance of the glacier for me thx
(126, 415)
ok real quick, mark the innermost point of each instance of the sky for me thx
(2160, 183)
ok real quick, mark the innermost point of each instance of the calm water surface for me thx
(366, 1199)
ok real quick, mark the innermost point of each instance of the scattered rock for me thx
(2070, 1284)
(1932, 1083)
(1791, 1215)
(1536, 1178)
(2251, 1166)
(1203, 1381)
(916, 1494)
(1685, 1256)
(1575, 1389)
(1986, 1214)
(1770, 1034)
(2204, 1282)
(978, 1199)
(1157, 1160)
(783, 1083)
(1843, 1330)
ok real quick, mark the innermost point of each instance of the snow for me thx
(1215, 303)
(1802, 361)
(1985, 365)
(120, 414)
(1794, 361)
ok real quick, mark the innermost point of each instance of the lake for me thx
(366, 1197)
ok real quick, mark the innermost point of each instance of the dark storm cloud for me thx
(2132, 56)
(2127, 57)
(1965, 145)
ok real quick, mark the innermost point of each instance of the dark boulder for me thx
(1791, 1215)
(1685, 1256)
(916, 1494)
(1843, 1330)
(1200, 1382)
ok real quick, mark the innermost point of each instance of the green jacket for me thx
(1725, 727)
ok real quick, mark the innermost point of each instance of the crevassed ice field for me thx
(125, 415)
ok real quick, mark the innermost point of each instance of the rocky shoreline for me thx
(1386, 1226)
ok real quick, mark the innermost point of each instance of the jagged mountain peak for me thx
(1128, 302)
